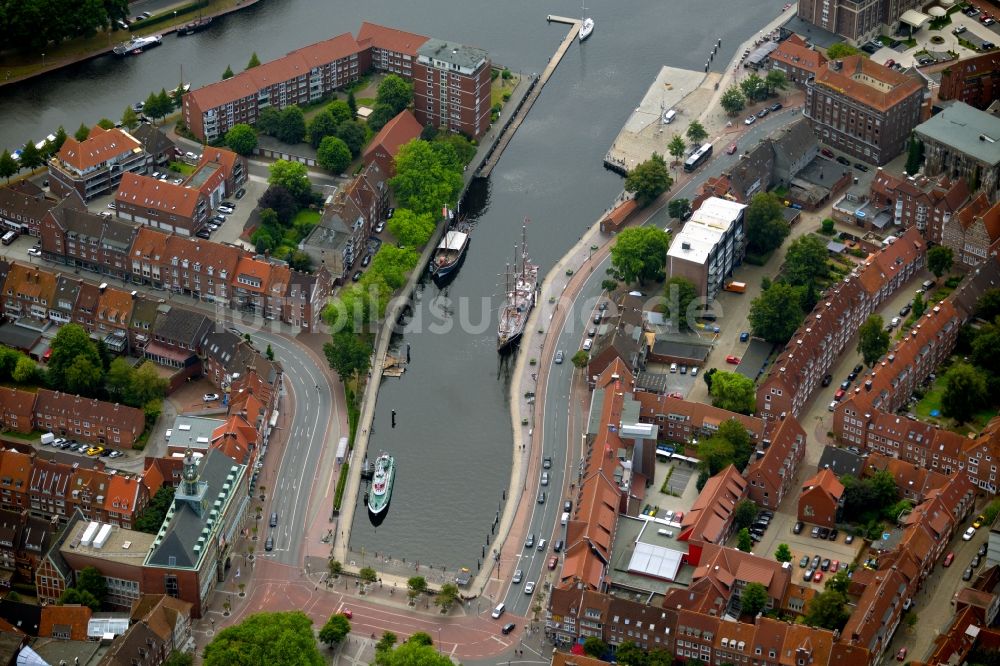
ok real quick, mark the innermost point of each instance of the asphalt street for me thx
(545, 518)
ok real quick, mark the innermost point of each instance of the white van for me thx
(48, 438)
(498, 611)
(669, 116)
(565, 518)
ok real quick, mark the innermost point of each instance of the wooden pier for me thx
(486, 168)
(394, 367)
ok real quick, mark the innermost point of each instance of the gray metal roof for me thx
(468, 57)
(18, 337)
(182, 326)
(967, 130)
(192, 431)
(175, 545)
(841, 461)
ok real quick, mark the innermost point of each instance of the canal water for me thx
(452, 440)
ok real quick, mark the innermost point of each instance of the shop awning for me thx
(914, 18)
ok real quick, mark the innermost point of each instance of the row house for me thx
(960, 142)
(216, 163)
(711, 518)
(194, 267)
(88, 420)
(66, 296)
(385, 145)
(974, 233)
(303, 76)
(15, 479)
(67, 623)
(821, 500)
(168, 617)
(974, 81)
(22, 211)
(797, 60)
(113, 316)
(684, 422)
(259, 287)
(16, 410)
(73, 236)
(929, 204)
(391, 51)
(912, 481)
(23, 541)
(27, 292)
(827, 330)
(307, 296)
(176, 336)
(95, 166)
(161, 204)
(774, 464)
(451, 87)
(863, 108)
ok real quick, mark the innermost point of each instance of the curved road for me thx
(557, 406)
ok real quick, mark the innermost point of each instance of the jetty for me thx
(514, 122)
(393, 367)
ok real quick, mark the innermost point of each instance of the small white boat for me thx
(586, 28)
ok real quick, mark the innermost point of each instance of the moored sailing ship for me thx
(450, 252)
(519, 297)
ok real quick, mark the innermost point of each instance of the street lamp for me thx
(43, 60)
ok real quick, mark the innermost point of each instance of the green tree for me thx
(827, 226)
(410, 229)
(254, 61)
(164, 103)
(178, 658)
(412, 653)
(707, 377)
(805, 261)
(118, 379)
(677, 147)
(753, 599)
(392, 265)
(321, 126)
(840, 50)
(918, 305)
(242, 138)
(269, 353)
(266, 638)
(293, 176)
(828, 610)
(291, 125)
(395, 92)
(416, 586)
(914, 155)
(580, 359)
(353, 134)
(939, 260)
(873, 339)
(733, 392)
(70, 346)
(783, 553)
(106, 123)
(380, 115)
(447, 595)
(335, 630)
(965, 392)
(679, 293)
(352, 104)
(838, 582)
(281, 203)
(151, 518)
(8, 166)
(739, 438)
(429, 133)
(595, 647)
(716, 454)
(74, 596)
(639, 254)
(678, 208)
(630, 654)
(696, 132)
(753, 87)
(30, 158)
(340, 111)
(420, 638)
(385, 642)
(56, 146)
(146, 384)
(659, 657)
(333, 155)
(228, 74)
(765, 223)
(89, 579)
(776, 313)
(775, 80)
(130, 119)
(82, 132)
(984, 346)
(732, 101)
(743, 540)
(988, 305)
(649, 179)
(269, 121)
(348, 355)
(423, 182)
(26, 371)
(745, 513)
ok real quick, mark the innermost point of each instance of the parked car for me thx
(982, 550)
(901, 655)
(818, 577)
(815, 533)
(797, 528)
(776, 106)
(843, 160)
(905, 310)
(763, 112)
(804, 562)
(367, 260)
(559, 357)
(967, 574)
(833, 534)
(824, 532)
(808, 575)
(959, 30)
(731, 149)
(826, 152)
(553, 561)
(861, 167)
(827, 379)
(816, 561)
(210, 397)
(734, 360)
(587, 344)
(541, 497)
(357, 276)
(380, 227)
(839, 394)
(240, 193)
(969, 533)
(849, 539)
(751, 119)
(744, 336)
(978, 522)
(547, 462)
(34, 252)
(115, 454)
(507, 628)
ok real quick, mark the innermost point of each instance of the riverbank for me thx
(21, 67)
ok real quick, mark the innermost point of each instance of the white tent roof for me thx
(655, 561)
(914, 18)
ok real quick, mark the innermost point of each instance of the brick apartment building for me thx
(797, 60)
(161, 204)
(863, 20)
(315, 71)
(384, 146)
(973, 234)
(975, 81)
(710, 246)
(73, 236)
(863, 109)
(918, 201)
(451, 87)
(774, 464)
(95, 166)
(963, 142)
(832, 324)
(88, 420)
(23, 212)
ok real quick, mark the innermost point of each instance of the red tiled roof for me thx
(98, 148)
(712, 511)
(57, 619)
(160, 195)
(206, 253)
(402, 129)
(849, 80)
(225, 158)
(123, 494)
(794, 52)
(826, 480)
(251, 267)
(378, 36)
(328, 51)
(149, 244)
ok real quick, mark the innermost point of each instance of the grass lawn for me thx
(306, 216)
(182, 168)
(498, 87)
(365, 101)
(932, 402)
